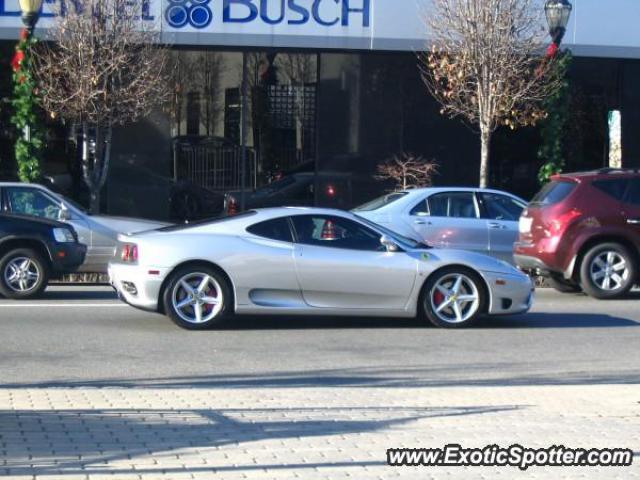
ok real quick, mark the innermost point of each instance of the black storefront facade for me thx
(333, 104)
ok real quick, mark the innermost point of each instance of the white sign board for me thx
(597, 28)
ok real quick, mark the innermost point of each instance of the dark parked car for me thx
(582, 230)
(33, 250)
(295, 190)
(135, 191)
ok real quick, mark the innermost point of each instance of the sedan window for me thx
(501, 207)
(421, 209)
(29, 201)
(276, 229)
(453, 205)
(335, 232)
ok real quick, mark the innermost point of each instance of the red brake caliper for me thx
(438, 297)
(209, 293)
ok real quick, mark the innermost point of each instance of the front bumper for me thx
(139, 286)
(510, 294)
(67, 257)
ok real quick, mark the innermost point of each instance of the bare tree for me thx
(179, 80)
(485, 65)
(407, 171)
(299, 70)
(103, 67)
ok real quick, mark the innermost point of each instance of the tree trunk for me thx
(485, 149)
(96, 154)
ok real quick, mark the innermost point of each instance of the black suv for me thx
(32, 250)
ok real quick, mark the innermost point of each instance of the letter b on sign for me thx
(232, 11)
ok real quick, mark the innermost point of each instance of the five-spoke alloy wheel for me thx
(608, 271)
(197, 297)
(23, 274)
(453, 297)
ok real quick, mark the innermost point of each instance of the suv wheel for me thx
(23, 274)
(608, 271)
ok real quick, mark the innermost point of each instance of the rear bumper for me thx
(67, 257)
(136, 286)
(529, 263)
(543, 257)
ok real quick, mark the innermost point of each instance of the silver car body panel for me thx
(98, 232)
(491, 237)
(275, 277)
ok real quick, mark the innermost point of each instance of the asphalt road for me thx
(83, 336)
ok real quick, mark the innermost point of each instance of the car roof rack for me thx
(608, 170)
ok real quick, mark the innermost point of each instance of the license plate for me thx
(524, 225)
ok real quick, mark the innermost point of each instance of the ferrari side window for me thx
(276, 229)
(335, 232)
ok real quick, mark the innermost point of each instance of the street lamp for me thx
(558, 13)
(30, 13)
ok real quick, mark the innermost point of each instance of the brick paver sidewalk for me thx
(307, 433)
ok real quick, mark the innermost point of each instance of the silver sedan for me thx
(480, 220)
(308, 261)
(99, 233)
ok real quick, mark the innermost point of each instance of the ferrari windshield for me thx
(405, 242)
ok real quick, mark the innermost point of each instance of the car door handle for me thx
(496, 226)
(422, 222)
(633, 221)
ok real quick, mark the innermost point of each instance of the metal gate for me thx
(213, 163)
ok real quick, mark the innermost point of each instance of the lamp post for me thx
(30, 13)
(558, 13)
(28, 146)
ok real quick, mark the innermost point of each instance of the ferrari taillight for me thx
(129, 252)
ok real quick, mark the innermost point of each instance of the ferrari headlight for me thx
(63, 235)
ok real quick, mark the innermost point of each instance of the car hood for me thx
(128, 225)
(34, 220)
(475, 260)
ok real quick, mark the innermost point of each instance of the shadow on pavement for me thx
(455, 375)
(77, 294)
(529, 320)
(86, 442)
(558, 320)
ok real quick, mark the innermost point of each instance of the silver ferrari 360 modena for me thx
(308, 261)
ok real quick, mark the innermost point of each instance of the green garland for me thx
(25, 103)
(553, 129)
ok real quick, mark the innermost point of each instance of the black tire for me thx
(562, 285)
(38, 265)
(428, 298)
(220, 286)
(588, 266)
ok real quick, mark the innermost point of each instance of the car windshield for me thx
(275, 186)
(67, 201)
(405, 242)
(380, 202)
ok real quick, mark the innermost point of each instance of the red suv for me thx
(582, 231)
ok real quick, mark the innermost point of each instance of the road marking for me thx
(62, 305)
